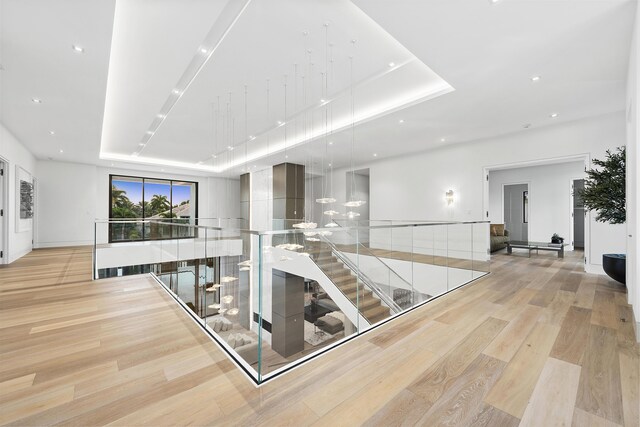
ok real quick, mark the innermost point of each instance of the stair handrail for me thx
(365, 279)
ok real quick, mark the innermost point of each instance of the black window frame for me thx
(143, 178)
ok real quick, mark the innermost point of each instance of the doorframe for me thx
(584, 157)
(571, 245)
(528, 183)
(5, 205)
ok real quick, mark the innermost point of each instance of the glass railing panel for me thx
(308, 299)
(276, 298)
(459, 254)
(481, 244)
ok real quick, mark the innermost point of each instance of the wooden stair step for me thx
(376, 313)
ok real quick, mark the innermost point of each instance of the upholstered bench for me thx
(329, 324)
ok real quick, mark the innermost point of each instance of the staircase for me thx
(369, 305)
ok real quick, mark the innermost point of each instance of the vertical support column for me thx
(287, 330)
(245, 199)
(288, 195)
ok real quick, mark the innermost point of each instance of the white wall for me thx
(413, 187)
(73, 195)
(549, 197)
(17, 244)
(633, 177)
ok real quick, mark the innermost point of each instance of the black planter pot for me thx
(615, 265)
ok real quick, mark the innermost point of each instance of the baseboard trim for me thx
(41, 245)
(594, 269)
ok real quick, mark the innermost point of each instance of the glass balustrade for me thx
(273, 299)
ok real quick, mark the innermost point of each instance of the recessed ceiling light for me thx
(323, 100)
(149, 132)
(442, 140)
(286, 157)
(52, 132)
(401, 121)
(535, 78)
(392, 64)
(61, 151)
(493, 1)
(330, 142)
(161, 116)
(553, 115)
(203, 50)
(329, 164)
(375, 154)
(77, 49)
(176, 92)
(280, 123)
(142, 144)
(36, 100)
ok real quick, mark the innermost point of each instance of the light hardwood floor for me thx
(537, 342)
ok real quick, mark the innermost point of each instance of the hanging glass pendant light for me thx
(353, 202)
(325, 184)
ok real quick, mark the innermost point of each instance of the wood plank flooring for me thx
(537, 342)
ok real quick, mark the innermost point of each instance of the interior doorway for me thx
(577, 214)
(516, 211)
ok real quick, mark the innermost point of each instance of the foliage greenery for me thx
(604, 188)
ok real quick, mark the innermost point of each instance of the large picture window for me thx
(159, 200)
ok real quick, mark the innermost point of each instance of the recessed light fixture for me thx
(286, 157)
(493, 1)
(36, 100)
(142, 144)
(442, 139)
(280, 123)
(553, 115)
(52, 132)
(77, 49)
(161, 116)
(375, 154)
(203, 50)
(61, 151)
(401, 121)
(149, 132)
(330, 142)
(176, 92)
(535, 78)
(323, 100)
(329, 164)
(214, 156)
(392, 64)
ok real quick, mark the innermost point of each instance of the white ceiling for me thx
(486, 52)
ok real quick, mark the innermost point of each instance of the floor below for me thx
(537, 342)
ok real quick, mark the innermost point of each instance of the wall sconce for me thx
(449, 197)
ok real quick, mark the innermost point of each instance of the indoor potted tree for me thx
(604, 192)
